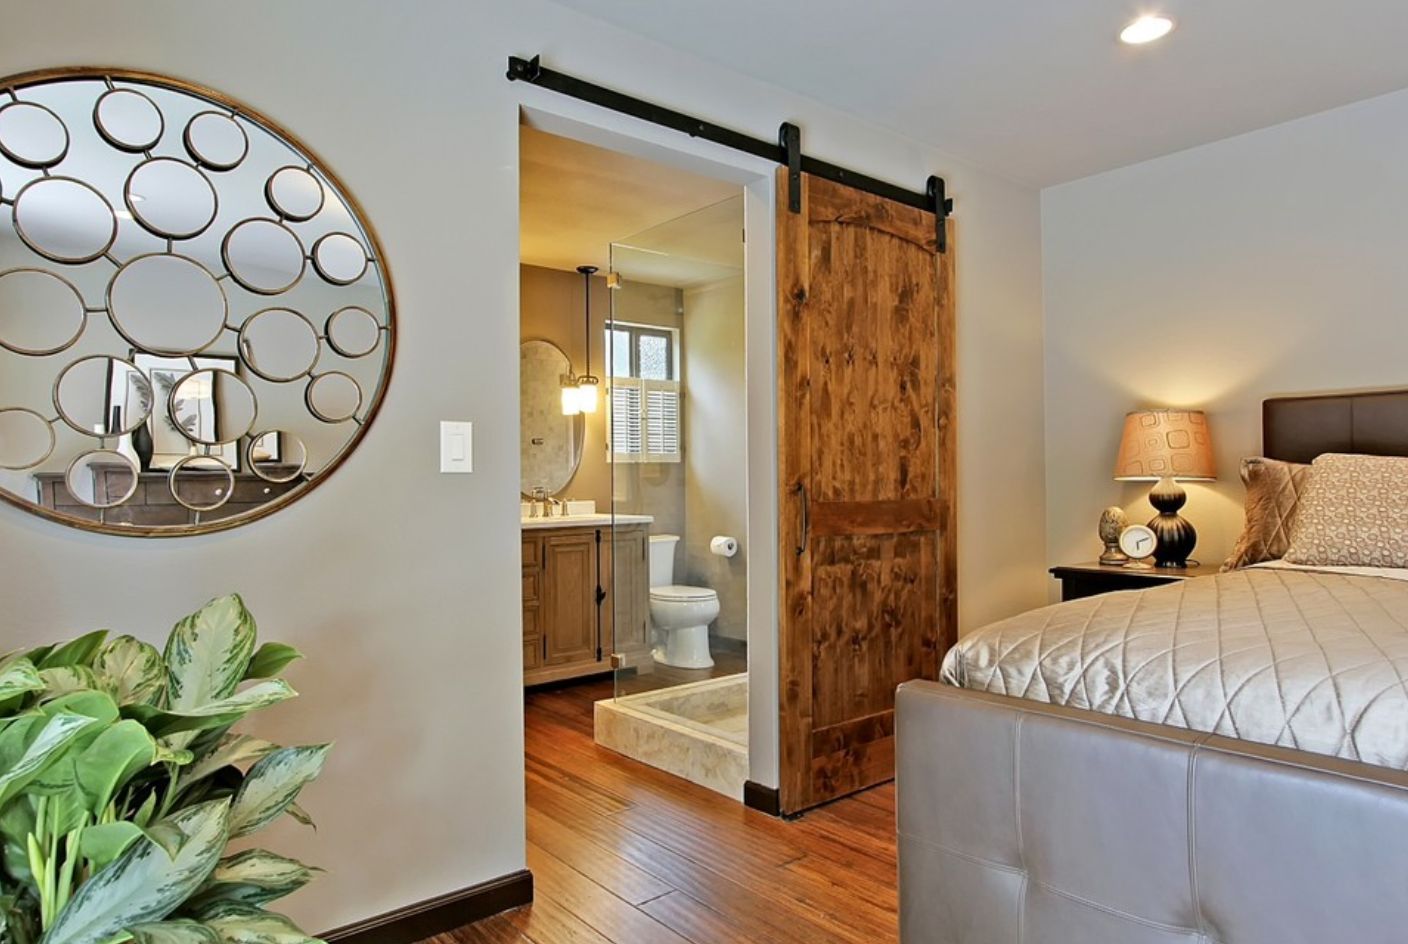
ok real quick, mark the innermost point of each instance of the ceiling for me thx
(1041, 90)
(576, 199)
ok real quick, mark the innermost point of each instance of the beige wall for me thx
(551, 309)
(400, 583)
(716, 455)
(1269, 263)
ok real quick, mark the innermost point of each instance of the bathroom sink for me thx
(584, 521)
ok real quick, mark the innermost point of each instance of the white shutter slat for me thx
(662, 420)
(627, 413)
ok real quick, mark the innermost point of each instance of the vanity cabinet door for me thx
(532, 577)
(568, 612)
(631, 591)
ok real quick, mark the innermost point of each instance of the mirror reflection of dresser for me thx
(151, 502)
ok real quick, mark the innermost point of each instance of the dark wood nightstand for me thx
(1086, 580)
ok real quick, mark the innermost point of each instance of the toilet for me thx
(681, 615)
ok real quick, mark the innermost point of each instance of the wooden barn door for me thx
(867, 525)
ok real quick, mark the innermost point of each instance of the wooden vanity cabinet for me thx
(581, 602)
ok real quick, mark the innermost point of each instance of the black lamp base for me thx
(1176, 535)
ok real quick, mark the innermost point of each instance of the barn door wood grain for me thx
(867, 469)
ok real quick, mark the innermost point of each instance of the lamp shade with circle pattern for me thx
(1165, 444)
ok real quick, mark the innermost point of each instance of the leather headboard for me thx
(1297, 429)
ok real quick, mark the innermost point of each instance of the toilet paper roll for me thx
(723, 545)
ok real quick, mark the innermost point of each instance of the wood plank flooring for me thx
(622, 853)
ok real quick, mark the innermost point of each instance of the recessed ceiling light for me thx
(1146, 29)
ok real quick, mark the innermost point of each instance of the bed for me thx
(1217, 760)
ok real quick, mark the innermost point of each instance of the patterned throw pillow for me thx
(1274, 489)
(1354, 513)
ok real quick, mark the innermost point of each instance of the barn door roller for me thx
(786, 151)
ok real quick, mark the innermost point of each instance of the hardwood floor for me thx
(622, 853)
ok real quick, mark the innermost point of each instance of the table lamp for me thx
(1165, 446)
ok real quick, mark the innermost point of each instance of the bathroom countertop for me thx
(583, 521)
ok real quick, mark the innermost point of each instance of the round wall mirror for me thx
(551, 444)
(196, 321)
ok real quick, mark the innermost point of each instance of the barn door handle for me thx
(806, 518)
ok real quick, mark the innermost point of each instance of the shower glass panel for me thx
(661, 444)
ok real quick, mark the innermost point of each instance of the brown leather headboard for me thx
(1297, 429)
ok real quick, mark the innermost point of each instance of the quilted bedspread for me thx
(1301, 658)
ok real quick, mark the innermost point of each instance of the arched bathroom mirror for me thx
(551, 444)
(196, 319)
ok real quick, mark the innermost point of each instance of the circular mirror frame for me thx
(372, 400)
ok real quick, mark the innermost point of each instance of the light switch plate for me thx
(456, 447)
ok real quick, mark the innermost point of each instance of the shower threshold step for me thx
(698, 731)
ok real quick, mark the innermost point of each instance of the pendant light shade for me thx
(587, 389)
(588, 386)
(569, 396)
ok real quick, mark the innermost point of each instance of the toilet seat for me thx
(678, 593)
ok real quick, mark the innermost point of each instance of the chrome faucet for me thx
(540, 503)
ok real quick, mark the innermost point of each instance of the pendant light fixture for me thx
(588, 386)
(569, 395)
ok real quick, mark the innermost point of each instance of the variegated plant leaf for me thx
(49, 746)
(116, 755)
(164, 722)
(148, 881)
(178, 931)
(103, 843)
(301, 815)
(19, 677)
(272, 784)
(208, 653)
(166, 754)
(270, 659)
(235, 750)
(91, 704)
(131, 671)
(66, 679)
(143, 816)
(78, 651)
(253, 926)
(255, 876)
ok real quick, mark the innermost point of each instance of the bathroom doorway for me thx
(636, 505)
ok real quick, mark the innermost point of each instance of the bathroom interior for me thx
(633, 452)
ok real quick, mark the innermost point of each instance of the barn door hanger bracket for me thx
(786, 150)
(942, 205)
(526, 70)
(789, 138)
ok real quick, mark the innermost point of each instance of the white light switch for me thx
(456, 446)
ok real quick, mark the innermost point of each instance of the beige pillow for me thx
(1354, 513)
(1274, 489)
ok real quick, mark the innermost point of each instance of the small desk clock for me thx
(1139, 543)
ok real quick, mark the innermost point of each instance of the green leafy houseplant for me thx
(121, 784)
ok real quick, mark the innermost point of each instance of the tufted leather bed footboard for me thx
(1024, 823)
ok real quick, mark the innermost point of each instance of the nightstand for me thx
(1086, 580)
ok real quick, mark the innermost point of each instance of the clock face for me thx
(1138, 541)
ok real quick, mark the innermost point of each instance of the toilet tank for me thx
(662, 559)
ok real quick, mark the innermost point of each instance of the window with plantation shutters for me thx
(645, 397)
